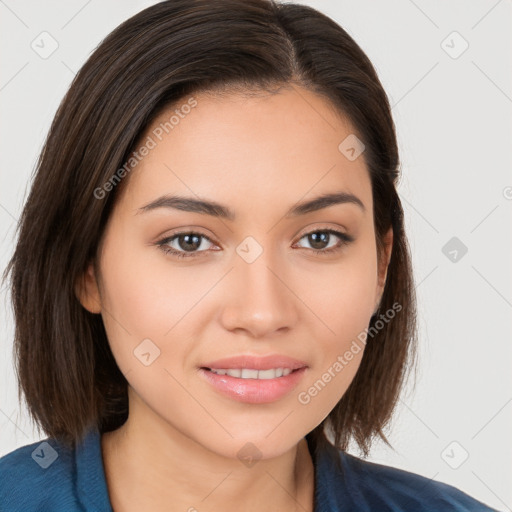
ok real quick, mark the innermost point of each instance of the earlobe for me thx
(87, 292)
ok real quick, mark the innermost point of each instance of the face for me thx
(265, 281)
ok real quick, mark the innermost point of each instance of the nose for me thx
(260, 298)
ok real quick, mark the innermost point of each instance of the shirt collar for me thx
(330, 477)
(91, 481)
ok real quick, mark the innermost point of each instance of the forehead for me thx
(262, 151)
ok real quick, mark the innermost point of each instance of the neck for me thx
(150, 465)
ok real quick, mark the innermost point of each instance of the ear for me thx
(383, 265)
(87, 291)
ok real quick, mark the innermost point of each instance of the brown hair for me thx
(162, 54)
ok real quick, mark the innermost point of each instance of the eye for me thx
(190, 241)
(187, 244)
(319, 238)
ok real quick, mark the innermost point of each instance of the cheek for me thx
(342, 296)
(144, 297)
(144, 294)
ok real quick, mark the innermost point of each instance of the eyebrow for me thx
(190, 204)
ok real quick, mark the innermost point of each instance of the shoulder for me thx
(398, 489)
(369, 486)
(38, 476)
(415, 491)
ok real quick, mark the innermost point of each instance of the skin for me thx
(259, 156)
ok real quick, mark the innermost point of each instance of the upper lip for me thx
(256, 363)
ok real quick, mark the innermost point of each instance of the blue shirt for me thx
(47, 476)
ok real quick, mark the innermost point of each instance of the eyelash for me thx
(345, 240)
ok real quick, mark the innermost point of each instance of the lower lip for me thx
(254, 391)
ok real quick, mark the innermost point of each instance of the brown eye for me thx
(185, 244)
(321, 240)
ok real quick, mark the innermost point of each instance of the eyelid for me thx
(312, 228)
(186, 231)
(172, 236)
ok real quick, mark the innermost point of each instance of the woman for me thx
(218, 296)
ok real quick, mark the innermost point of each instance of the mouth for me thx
(251, 373)
(253, 386)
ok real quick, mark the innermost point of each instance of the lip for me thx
(253, 391)
(256, 363)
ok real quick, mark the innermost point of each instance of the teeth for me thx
(265, 374)
(247, 373)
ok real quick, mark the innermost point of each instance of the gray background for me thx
(452, 114)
